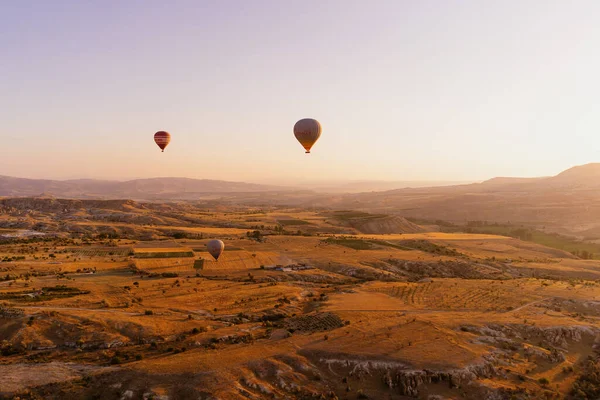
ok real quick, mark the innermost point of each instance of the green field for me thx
(556, 241)
(102, 252)
(165, 254)
(349, 215)
(356, 244)
(421, 245)
(580, 248)
(292, 222)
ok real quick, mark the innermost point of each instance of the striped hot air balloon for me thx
(162, 139)
(215, 247)
(307, 131)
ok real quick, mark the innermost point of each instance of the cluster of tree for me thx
(163, 275)
(587, 385)
(583, 254)
(8, 349)
(13, 258)
(187, 235)
(32, 239)
(255, 235)
(256, 227)
(522, 234)
(102, 236)
(476, 224)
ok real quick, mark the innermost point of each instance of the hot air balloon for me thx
(307, 131)
(215, 248)
(162, 139)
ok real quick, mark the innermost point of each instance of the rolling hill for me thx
(568, 202)
(138, 189)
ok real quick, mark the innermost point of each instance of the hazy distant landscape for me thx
(181, 188)
(568, 203)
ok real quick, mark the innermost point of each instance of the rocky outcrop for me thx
(408, 382)
(553, 336)
(553, 356)
(561, 335)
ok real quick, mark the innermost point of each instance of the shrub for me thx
(115, 360)
(148, 312)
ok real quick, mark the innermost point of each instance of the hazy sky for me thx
(405, 90)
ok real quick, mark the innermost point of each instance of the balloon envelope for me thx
(307, 131)
(162, 139)
(215, 248)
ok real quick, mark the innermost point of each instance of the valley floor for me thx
(424, 315)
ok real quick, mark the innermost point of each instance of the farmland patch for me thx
(164, 254)
(101, 251)
(314, 323)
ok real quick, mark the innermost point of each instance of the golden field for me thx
(391, 316)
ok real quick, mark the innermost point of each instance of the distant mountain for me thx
(568, 202)
(583, 175)
(138, 189)
(181, 188)
(373, 185)
(503, 181)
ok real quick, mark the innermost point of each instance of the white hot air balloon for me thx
(215, 247)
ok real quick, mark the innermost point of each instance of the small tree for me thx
(115, 360)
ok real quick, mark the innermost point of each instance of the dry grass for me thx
(415, 325)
